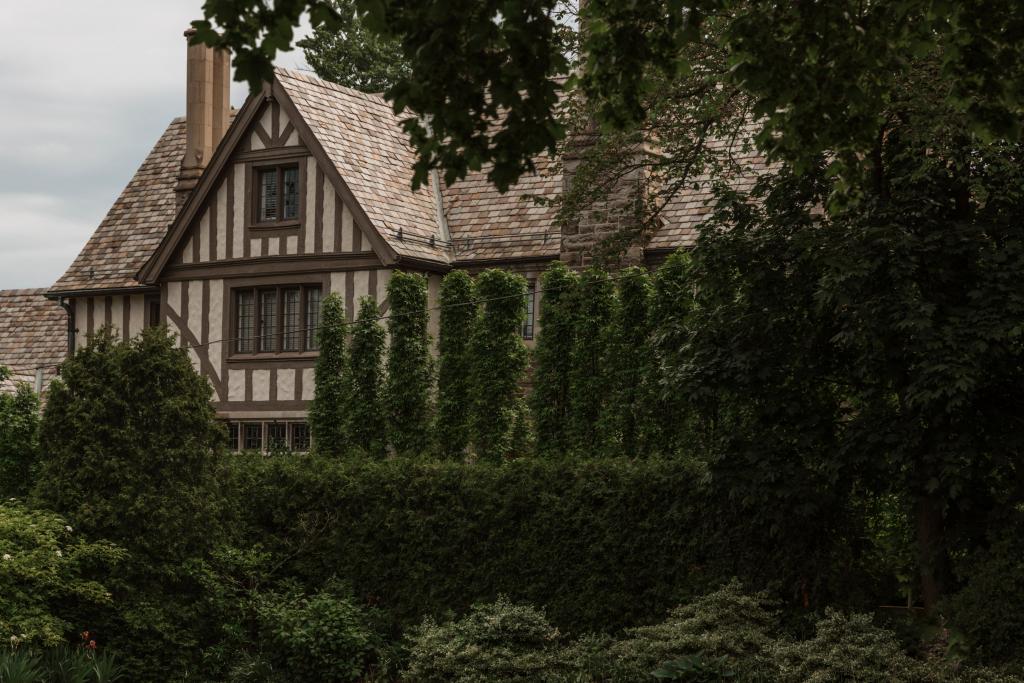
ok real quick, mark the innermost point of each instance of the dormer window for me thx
(277, 194)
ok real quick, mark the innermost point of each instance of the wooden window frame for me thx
(304, 351)
(529, 327)
(254, 206)
(265, 426)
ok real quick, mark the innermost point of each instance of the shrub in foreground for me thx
(45, 572)
(322, 637)
(499, 641)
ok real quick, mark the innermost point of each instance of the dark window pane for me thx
(277, 436)
(291, 193)
(268, 194)
(300, 436)
(246, 322)
(233, 436)
(268, 321)
(312, 317)
(153, 312)
(531, 299)
(253, 436)
(291, 322)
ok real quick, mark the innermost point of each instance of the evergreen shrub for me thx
(600, 543)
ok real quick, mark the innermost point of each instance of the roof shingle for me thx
(33, 334)
(135, 224)
(364, 139)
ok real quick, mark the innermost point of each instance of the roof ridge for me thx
(23, 291)
(313, 79)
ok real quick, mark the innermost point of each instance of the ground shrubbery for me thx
(725, 635)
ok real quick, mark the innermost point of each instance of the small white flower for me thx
(7, 557)
(14, 640)
(68, 529)
(59, 553)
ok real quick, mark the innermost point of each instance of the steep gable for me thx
(364, 140)
(224, 228)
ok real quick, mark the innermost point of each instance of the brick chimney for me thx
(207, 103)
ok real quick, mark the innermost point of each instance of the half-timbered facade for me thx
(238, 223)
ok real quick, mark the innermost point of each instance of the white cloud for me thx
(88, 88)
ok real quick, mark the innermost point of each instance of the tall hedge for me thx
(327, 412)
(458, 315)
(363, 410)
(600, 542)
(499, 360)
(19, 439)
(549, 398)
(631, 368)
(589, 381)
(671, 306)
(407, 391)
(129, 440)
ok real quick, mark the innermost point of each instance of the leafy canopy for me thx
(484, 73)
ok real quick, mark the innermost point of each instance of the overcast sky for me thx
(88, 87)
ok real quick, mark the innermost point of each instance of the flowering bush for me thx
(42, 571)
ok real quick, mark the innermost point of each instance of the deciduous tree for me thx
(499, 361)
(549, 397)
(408, 386)
(364, 410)
(458, 317)
(332, 384)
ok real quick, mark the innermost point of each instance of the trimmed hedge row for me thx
(600, 544)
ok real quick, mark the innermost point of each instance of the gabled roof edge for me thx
(385, 251)
(155, 264)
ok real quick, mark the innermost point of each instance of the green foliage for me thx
(349, 54)
(589, 381)
(19, 439)
(327, 416)
(497, 641)
(322, 637)
(407, 391)
(629, 363)
(499, 360)
(364, 410)
(483, 74)
(727, 625)
(847, 648)
(45, 569)
(458, 317)
(602, 543)
(20, 666)
(549, 398)
(989, 609)
(130, 437)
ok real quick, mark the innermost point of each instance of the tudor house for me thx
(238, 223)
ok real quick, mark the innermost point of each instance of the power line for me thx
(388, 316)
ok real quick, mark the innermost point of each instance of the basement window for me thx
(268, 436)
(277, 194)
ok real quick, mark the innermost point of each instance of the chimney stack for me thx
(207, 103)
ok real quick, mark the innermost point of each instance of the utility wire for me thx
(388, 316)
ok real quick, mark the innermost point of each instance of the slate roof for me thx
(688, 208)
(33, 334)
(364, 139)
(486, 224)
(135, 224)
